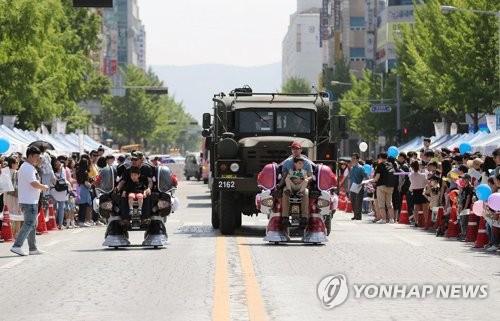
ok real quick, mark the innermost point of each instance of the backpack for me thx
(61, 185)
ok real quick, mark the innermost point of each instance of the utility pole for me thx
(398, 103)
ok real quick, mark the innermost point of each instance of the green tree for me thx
(45, 69)
(133, 117)
(295, 85)
(449, 63)
(340, 73)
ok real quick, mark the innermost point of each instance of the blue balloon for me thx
(465, 148)
(368, 169)
(393, 152)
(4, 145)
(483, 191)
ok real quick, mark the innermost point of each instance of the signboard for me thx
(336, 14)
(381, 140)
(380, 108)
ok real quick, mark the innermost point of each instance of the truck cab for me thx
(248, 130)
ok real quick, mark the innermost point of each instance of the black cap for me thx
(110, 157)
(427, 139)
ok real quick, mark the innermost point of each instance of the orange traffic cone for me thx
(471, 233)
(342, 201)
(51, 224)
(6, 228)
(428, 220)
(403, 215)
(482, 237)
(349, 206)
(41, 226)
(439, 218)
(452, 230)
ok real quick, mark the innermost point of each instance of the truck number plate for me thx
(227, 184)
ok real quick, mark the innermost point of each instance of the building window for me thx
(357, 22)
(357, 52)
(299, 38)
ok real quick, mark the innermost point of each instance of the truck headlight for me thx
(323, 203)
(234, 167)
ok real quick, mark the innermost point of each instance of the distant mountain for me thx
(195, 85)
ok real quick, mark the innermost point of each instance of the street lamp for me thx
(449, 9)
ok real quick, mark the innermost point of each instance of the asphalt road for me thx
(204, 276)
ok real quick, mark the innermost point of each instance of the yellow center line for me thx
(220, 311)
(256, 310)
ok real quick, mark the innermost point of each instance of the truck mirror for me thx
(206, 121)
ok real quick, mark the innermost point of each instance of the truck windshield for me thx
(256, 121)
(288, 121)
(292, 121)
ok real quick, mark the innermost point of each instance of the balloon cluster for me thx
(485, 198)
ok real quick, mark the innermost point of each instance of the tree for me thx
(449, 62)
(340, 73)
(134, 116)
(45, 69)
(296, 85)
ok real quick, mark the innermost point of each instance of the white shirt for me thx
(27, 194)
(418, 180)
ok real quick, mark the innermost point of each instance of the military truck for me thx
(248, 130)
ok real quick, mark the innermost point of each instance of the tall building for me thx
(389, 20)
(124, 39)
(302, 54)
(123, 43)
(141, 48)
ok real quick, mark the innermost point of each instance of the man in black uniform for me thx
(123, 171)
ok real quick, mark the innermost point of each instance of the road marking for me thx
(220, 310)
(404, 239)
(53, 243)
(256, 310)
(80, 230)
(457, 262)
(11, 264)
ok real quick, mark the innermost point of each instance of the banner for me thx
(439, 129)
(491, 122)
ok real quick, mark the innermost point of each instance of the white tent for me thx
(63, 143)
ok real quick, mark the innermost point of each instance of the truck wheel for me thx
(237, 221)
(226, 213)
(328, 224)
(215, 215)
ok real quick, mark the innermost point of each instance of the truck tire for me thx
(227, 216)
(237, 221)
(215, 213)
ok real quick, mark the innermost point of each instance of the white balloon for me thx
(363, 146)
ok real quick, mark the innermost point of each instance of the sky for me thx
(232, 32)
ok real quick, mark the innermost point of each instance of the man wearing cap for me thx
(427, 143)
(287, 166)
